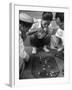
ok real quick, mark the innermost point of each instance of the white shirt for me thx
(36, 25)
(54, 41)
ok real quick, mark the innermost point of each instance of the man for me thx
(25, 23)
(41, 39)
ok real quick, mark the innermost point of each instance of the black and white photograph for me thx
(41, 44)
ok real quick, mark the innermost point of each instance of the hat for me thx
(26, 18)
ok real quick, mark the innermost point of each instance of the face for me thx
(59, 23)
(45, 24)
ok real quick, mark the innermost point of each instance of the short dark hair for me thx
(60, 16)
(47, 16)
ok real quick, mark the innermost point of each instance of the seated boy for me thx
(58, 38)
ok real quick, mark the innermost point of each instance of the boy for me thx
(41, 39)
(57, 39)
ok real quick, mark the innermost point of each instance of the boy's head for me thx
(60, 20)
(46, 19)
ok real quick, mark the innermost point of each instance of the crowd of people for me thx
(43, 35)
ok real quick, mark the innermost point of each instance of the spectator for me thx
(25, 23)
(58, 39)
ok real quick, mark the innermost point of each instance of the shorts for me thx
(40, 42)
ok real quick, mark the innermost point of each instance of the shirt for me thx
(54, 38)
(22, 52)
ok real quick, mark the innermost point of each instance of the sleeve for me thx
(36, 25)
(60, 34)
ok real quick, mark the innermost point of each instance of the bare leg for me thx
(34, 50)
(45, 48)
